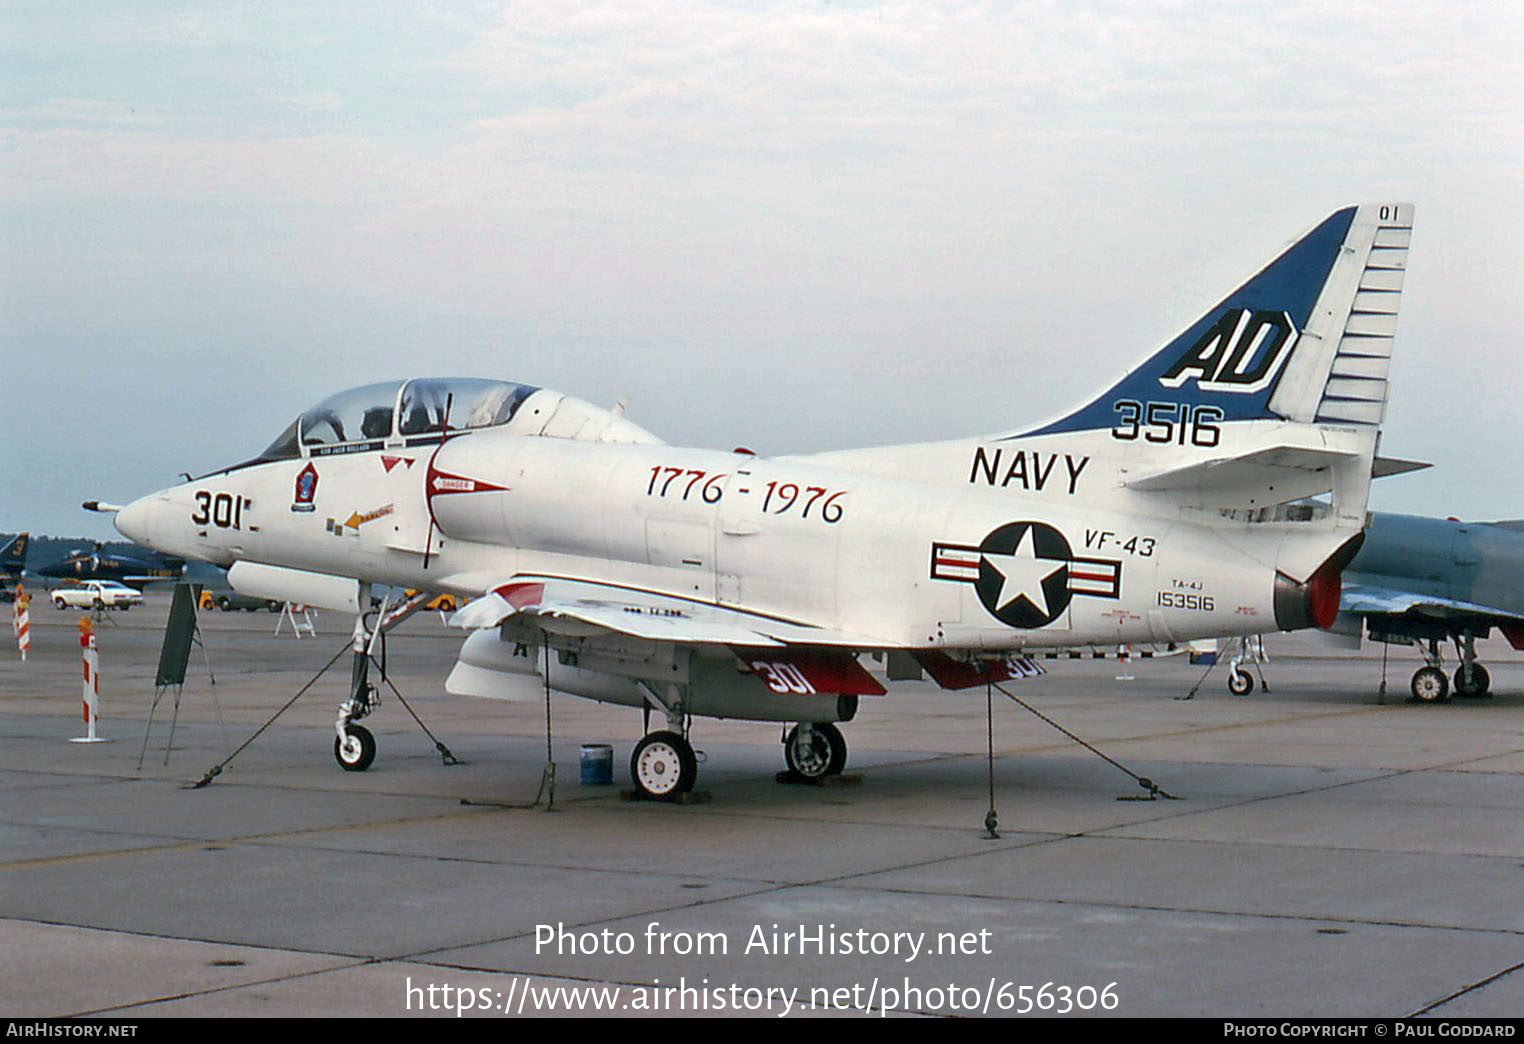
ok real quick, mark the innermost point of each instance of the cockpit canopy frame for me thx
(406, 413)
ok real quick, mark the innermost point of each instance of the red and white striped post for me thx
(91, 689)
(22, 622)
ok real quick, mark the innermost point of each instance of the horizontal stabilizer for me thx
(1254, 469)
(1385, 466)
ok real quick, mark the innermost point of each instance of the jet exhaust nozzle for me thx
(1314, 603)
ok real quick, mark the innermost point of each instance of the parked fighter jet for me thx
(696, 582)
(100, 564)
(12, 565)
(1426, 580)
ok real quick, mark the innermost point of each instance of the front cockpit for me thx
(427, 410)
(212, 517)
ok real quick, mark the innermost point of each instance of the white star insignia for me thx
(1022, 574)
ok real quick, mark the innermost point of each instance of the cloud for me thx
(602, 197)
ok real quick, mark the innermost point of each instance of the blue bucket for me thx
(597, 764)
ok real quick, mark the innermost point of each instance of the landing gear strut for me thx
(663, 765)
(1471, 678)
(1246, 650)
(354, 747)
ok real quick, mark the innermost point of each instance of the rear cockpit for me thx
(428, 410)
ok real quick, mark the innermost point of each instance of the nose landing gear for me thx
(356, 749)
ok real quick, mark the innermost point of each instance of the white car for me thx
(97, 594)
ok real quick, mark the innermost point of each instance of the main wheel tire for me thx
(815, 752)
(663, 765)
(1472, 683)
(1240, 682)
(225, 604)
(59, 603)
(1430, 685)
(357, 752)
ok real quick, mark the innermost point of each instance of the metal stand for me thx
(306, 623)
(182, 631)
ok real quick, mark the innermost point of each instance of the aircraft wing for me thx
(585, 607)
(1373, 600)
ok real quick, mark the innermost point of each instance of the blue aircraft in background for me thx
(12, 565)
(99, 564)
(1428, 580)
(1424, 581)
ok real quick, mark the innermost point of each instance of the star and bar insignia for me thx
(1025, 573)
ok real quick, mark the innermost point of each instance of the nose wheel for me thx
(356, 749)
(663, 766)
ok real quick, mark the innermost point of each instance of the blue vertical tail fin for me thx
(13, 555)
(1307, 339)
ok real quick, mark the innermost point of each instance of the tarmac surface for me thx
(1330, 855)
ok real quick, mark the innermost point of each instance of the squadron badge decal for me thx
(1025, 573)
(306, 489)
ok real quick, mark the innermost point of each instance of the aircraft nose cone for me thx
(135, 521)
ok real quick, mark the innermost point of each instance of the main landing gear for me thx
(1246, 650)
(1471, 679)
(815, 750)
(664, 765)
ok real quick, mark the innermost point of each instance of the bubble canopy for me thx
(422, 409)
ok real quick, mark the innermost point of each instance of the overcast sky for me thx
(789, 226)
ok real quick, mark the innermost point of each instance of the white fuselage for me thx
(902, 563)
